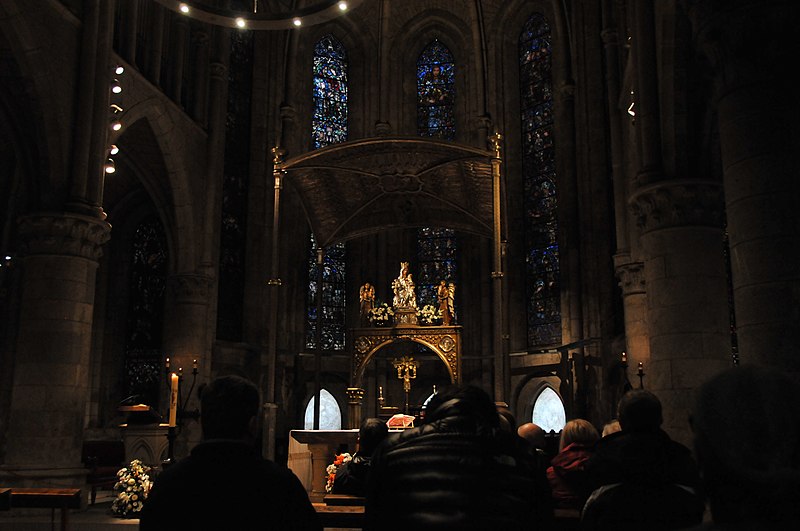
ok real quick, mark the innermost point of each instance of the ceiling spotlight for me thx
(343, 6)
(297, 22)
(184, 8)
(109, 166)
(114, 149)
(119, 69)
(240, 22)
(116, 125)
(116, 88)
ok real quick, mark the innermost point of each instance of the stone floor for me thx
(95, 517)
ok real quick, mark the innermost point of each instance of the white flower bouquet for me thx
(381, 315)
(429, 315)
(132, 487)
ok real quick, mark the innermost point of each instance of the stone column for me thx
(758, 112)
(50, 381)
(634, 304)
(355, 396)
(185, 340)
(687, 308)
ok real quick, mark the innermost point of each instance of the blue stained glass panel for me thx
(436, 92)
(539, 184)
(329, 122)
(437, 250)
(333, 297)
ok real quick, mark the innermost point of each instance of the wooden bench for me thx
(341, 510)
(103, 459)
(46, 498)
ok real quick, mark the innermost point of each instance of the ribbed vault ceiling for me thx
(365, 186)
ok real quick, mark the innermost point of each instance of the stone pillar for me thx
(687, 308)
(758, 112)
(634, 304)
(50, 381)
(355, 395)
(185, 340)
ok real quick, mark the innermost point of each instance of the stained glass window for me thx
(233, 229)
(329, 123)
(436, 259)
(436, 92)
(329, 126)
(143, 355)
(539, 177)
(548, 411)
(330, 414)
(333, 297)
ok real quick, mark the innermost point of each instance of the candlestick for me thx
(173, 400)
(194, 366)
(641, 368)
(624, 357)
(167, 365)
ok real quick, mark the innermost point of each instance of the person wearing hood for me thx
(567, 472)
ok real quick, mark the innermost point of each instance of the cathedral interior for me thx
(608, 188)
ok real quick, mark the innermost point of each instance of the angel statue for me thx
(366, 296)
(445, 294)
(403, 286)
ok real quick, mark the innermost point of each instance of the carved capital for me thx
(63, 234)
(631, 278)
(190, 288)
(218, 71)
(685, 203)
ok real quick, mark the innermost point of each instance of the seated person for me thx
(639, 477)
(351, 477)
(225, 483)
(567, 473)
(746, 424)
(457, 471)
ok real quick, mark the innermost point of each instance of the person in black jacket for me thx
(639, 478)
(225, 483)
(458, 470)
(351, 478)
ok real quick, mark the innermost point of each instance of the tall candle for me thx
(624, 357)
(173, 399)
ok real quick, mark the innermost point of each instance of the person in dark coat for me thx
(225, 483)
(567, 472)
(746, 424)
(351, 477)
(457, 471)
(639, 478)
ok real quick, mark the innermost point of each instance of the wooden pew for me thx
(45, 498)
(341, 510)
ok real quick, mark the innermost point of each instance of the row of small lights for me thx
(116, 124)
(242, 23)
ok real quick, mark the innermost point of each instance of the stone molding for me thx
(64, 234)
(673, 203)
(190, 287)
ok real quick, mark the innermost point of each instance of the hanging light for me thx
(240, 22)
(114, 149)
(109, 166)
(119, 69)
(116, 88)
(184, 8)
(343, 6)
(116, 125)
(297, 22)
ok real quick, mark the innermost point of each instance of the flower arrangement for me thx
(132, 487)
(331, 469)
(429, 315)
(381, 315)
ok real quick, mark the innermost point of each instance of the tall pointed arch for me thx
(329, 126)
(539, 181)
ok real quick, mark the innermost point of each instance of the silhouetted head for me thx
(228, 406)
(578, 431)
(507, 421)
(533, 433)
(639, 411)
(465, 401)
(746, 424)
(370, 435)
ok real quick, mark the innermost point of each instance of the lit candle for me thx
(167, 364)
(624, 357)
(194, 364)
(173, 399)
(641, 368)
